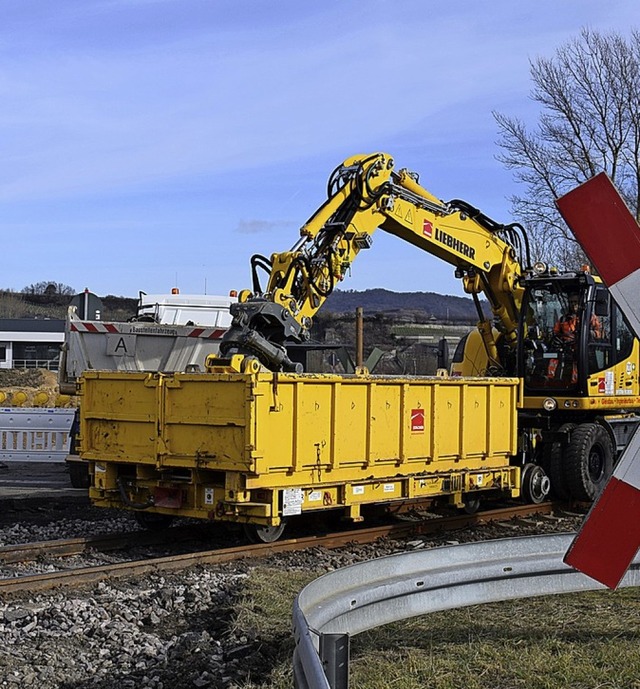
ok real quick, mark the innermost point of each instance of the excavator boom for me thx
(366, 193)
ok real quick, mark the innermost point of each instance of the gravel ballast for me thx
(165, 631)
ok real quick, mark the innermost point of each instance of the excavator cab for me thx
(552, 341)
(573, 338)
(577, 359)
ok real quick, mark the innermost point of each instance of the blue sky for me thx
(152, 143)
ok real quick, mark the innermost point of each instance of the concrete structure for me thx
(31, 342)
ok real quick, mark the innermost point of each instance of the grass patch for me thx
(264, 616)
(585, 641)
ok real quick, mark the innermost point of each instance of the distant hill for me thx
(400, 306)
(440, 307)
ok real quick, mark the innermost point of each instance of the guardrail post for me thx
(334, 653)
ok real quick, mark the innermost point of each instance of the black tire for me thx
(79, 474)
(256, 533)
(588, 461)
(535, 484)
(154, 521)
(554, 464)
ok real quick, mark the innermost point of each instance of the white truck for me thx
(185, 309)
(170, 333)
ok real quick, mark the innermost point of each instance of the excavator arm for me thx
(366, 193)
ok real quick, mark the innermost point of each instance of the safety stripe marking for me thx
(205, 333)
(603, 225)
(610, 536)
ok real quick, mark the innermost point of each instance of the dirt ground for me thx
(32, 387)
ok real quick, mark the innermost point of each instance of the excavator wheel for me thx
(553, 462)
(588, 461)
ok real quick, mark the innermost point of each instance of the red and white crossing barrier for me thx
(610, 535)
(610, 236)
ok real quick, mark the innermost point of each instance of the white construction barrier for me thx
(35, 434)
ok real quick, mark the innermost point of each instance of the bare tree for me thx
(49, 288)
(589, 94)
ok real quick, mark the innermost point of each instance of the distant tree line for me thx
(413, 306)
(51, 300)
(49, 288)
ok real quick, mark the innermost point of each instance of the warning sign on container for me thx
(417, 420)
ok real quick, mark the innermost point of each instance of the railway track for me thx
(76, 576)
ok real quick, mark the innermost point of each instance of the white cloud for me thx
(260, 226)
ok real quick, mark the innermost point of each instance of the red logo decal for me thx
(417, 420)
(601, 386)
(427, 228)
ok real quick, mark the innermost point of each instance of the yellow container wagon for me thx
(259, 448)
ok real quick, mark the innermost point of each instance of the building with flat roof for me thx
(31, 342)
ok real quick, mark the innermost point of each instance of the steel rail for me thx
(66, 547)
(87, 575)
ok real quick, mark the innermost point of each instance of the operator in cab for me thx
(566, 326)
(564, 367)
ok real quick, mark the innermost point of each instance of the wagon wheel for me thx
(535, 484)
(471, 505)
(258, 533)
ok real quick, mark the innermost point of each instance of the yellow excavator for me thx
(580, 382)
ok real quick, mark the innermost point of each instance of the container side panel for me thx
(314, 436)
(206, 419)
(446, 421)
(275, 427)
(114, 396)
(119, 415)
(131, 442)
(474, 436)
(350, 436)
(418, 423)
(384, 423)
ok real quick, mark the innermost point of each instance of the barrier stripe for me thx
(171, 331)
(605, 228)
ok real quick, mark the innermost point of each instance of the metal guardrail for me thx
(370, 594)
(35, 434)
